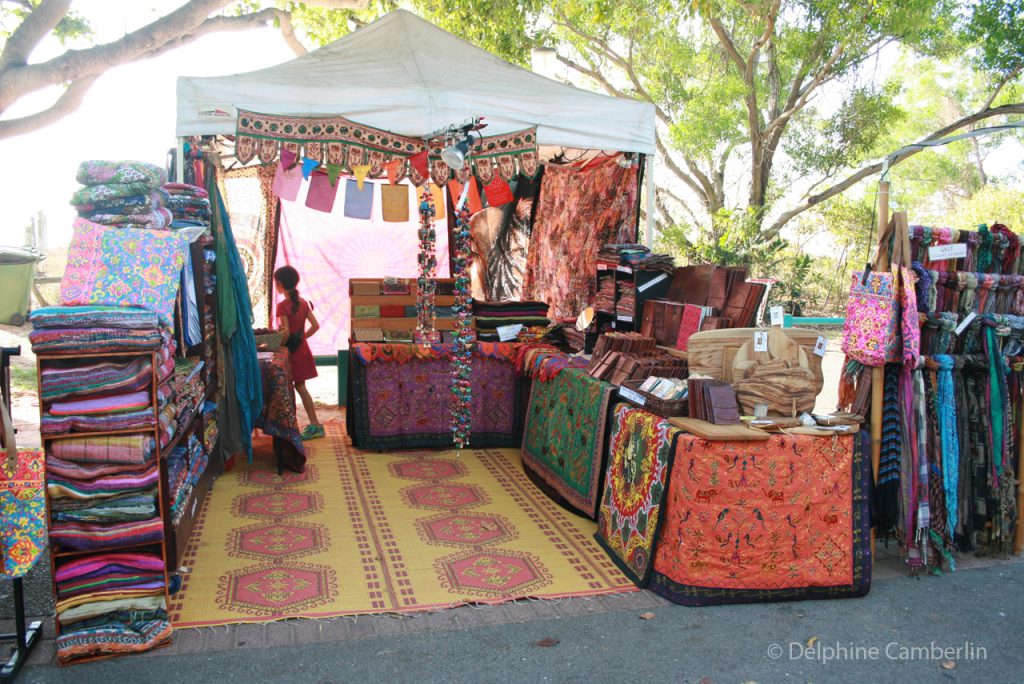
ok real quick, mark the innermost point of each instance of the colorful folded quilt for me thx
(117, 403)
(131, 420)
(159, 218)
(95, 378)
(95, 171)
(93, 340)
(93, 536)
(120, 205)
(138, 589)
(88, 197)
(124, 267)
(111, 577)
(89, 471)
(97, 608)
(185, 189)
(89, 565)
(132, 507)
(105, 449)
(102, 487)
(93, 317)
(109, 636)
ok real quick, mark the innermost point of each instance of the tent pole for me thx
(179, 161)
(649, 231)
(878, 372)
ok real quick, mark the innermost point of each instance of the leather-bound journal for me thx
(720, 403)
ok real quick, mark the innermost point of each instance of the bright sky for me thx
(128, 114)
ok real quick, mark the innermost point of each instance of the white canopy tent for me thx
(405, 75)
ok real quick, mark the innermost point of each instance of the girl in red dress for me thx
(292, 314)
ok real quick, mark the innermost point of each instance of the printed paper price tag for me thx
(957, 250)
(777, 315)
(507, 333)
(652, 282)
(821, 346)
(627, 393)
(760, 341)
(964, 323)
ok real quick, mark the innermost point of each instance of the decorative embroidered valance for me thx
(339, 142)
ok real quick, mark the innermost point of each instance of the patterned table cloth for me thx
(777, 520)
(564, 437)
(278, 418)
(402, 400)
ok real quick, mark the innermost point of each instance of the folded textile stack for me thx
(635, 255)
(605, 299)
(189, 205)
(185, 465)
(626, 305)
(111, 603)
(125, 194)
(210, 432)
(492, 315)
(189, 389)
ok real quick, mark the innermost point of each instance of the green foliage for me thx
(70, 28)
(997, 28)
(992, 204)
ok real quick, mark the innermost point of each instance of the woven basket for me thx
(663, 407)
(272, 339)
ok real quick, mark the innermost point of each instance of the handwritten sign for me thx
(964, 323)
(627, 393)
(507, 333)
(957, 250)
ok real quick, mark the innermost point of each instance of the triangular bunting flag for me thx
(420, 162)
(333, 171)
(393, 168)
(288, 159)
(307, 166)
(360, 172)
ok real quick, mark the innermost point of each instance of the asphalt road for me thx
(905, 630)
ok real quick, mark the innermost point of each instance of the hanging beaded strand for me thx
(462, 351)
(426, 284)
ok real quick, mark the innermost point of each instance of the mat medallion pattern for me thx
(563, 440)
(372, 533)
(639, 462)
(777, 520)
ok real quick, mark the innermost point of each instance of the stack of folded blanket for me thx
(110, 603)
(210, 432)
(492, 315)
(189, 205)
(126, 194)
(189, 389)
(185, 465)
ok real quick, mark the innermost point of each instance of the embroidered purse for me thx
(22, 504)
(881, 313)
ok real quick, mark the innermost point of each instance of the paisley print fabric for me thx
(22, 511)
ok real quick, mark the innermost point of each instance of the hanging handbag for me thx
(883, 304)
(23, 532)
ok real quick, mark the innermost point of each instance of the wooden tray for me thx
(719, 433)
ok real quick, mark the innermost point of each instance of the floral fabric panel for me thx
(872, 318)
(124, 267)
(22, 512)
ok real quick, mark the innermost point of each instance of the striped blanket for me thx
(95, 536)
(115, 403)
(105, 449)
(59, 425)
(93, 340)
(97, 608)
(93, 317)
(128, 508)
(101, 487)
(89, 471)
(95, 378)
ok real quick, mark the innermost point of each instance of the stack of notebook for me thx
(713, 401)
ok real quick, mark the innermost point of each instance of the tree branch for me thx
(67, 103)
(1002, 84)
(237, 23)
(856, 177)
(40, 21)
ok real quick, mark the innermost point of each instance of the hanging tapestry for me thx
(337, 141)
(23, 508)
(777, 520)
(253, 211)
(124, 267)
(506, 260)
(639, 460)
(563, 441)
(578, 212)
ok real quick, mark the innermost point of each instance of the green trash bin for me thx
(17, 270)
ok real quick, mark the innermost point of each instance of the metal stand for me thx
(24, 637)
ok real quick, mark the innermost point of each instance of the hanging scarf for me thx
(983, 262)
(996, 386)
(950, 440)
(1012, 251)
(887, 490)
(924, 285)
